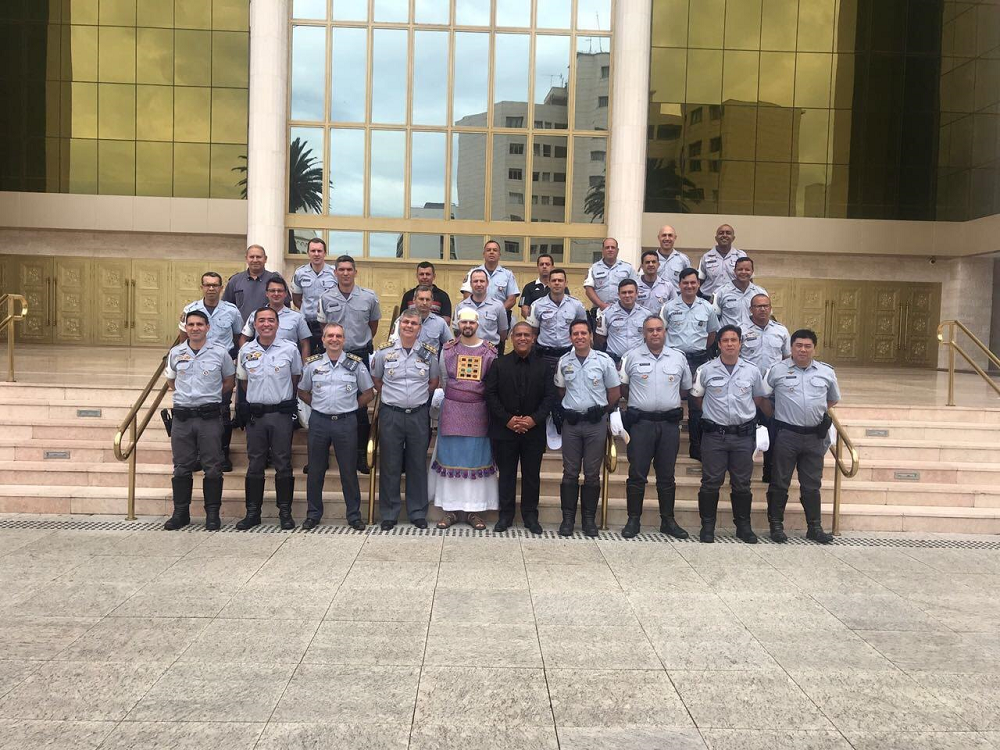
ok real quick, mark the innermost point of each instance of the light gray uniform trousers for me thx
(720, 453)
(342, 433)
(583, 443)
(195, 439)
(403, 440)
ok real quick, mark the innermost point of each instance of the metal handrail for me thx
(9, 301)
(609, 467)
(371, 452)
(843, 441)
(954, 347)
(135, 427)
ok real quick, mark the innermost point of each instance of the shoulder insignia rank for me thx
(314, 358)
(386, 345)
(431, 348)
(355, 357)
(351, 363)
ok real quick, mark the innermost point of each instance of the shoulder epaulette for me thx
(316, 357)
(449, 344)
(430, 348)
(355, 357)
(386, 345)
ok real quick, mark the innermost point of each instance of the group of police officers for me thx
(653, 338)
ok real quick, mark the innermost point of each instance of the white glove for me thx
(552, 437)
(617, 428)
(763, 439)
(831, 437)
(304, 411)
(438, 398)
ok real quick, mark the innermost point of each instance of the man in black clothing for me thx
(520, 392)
(425, 277)
(539, 287)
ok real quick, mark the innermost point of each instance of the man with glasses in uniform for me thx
(292, 326)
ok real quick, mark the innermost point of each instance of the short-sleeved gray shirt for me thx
(765, 346)
(354, 312)
(621, 327)
(312, 286)
(224, 322)
(292, 326)
(654, 297)
(335, 384)
(655, 381)
(268, 370)
(671, 267)
(728, 397)
(733, 305)
(604, 279)
(688, 326)
(502, 283)
(198, 374)
(492, 318)
(433, 331)
(553, 319)
(405, 374)
(716, 270)
(801, 395)
(248, 294)
(586, 384)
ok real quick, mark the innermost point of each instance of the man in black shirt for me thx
(537, 288)
(425, 277)
(520, 392)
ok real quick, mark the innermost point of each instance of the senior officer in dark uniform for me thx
(619, 326)
(804, 390)
(691, 327)
(202, 376)
(765, 343)
(588, 383)
(405, 373)
(551, 315)
(654, 378)
(520, 393)
(271, 368)
(336, 385)
(730, 390)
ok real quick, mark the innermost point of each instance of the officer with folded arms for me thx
(271, 368)
(336, 385)
(804, 390)
(691, 327)
(654, 378)
(202, 376)
(619, 326)
(587, 383)
(730, 390)
(551, 316)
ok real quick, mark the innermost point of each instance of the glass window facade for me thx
(124, 97)
(426, 127)
(881, 109)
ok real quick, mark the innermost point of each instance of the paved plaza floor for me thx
(119, 638)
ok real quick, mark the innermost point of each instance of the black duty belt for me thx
(403, 409)
(673, 415)
(593, 415)
(284, 407)
(552, 351)
(819, 430)
(697, 357)
(747, 428)
(334, 417)
(205, 411)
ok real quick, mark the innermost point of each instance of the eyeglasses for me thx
(211, 286)
(759, 307)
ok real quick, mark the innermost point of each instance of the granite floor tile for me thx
(714, 555)
(154, 543)
(40, 637)
(596, 647)
(767, 613)
(80, 691)
(15, 671)
(654, 578)
(401, 549)
(260, 546)
(691, 611)
(336, 693)
(939, 651)
(307, 569)
(877, 702)
(565, 577)
(14, 539)
(17, 734)
(662, 555)
(65, 542)
(746, 580)
(381, 605)
(398, 644)
(267, 600)
(214, 692)
(868, 559)
(127, 639)
(609, 608)
(631, 738)
(735, 649)
(561, 552)
(623, 699)
(482, 576)
(974, 697)
(774, 739)
(958, 560)
(513, 607)
(482, 696)
(252, 641)
(170, 599)
(23, 566)
(379, 574)
(919, 741)
(460, 644)
(747, 700)
(464, 736)
(458, 549)
(183, 735)
(361, 735)
(842, 580)
(840, 650)
(122, 569)
(74, 599)
(211, 571)
(885, 612)
(792, 557)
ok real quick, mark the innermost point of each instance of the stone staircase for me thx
(923, 468)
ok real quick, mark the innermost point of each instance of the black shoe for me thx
(745, 534)
(305, 469)
(669, 526)
(248, 522)
(765, 476)
(707, 535)
(566, 527)
(533, 526)
(177, 521)
(631, 527)
(363, 464)
(778, 534)
(227, 466)
(212, 520)
(501, 526)
(816, 534)
(358, 525)
(309, 524)
(420, 523)
(388, 525)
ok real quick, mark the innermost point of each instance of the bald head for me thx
(667, 237)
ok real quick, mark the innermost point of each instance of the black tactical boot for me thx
(182, 503)
(741, 516)
(211, 488)
(568, 494)
(708, 505)
(254, 489)
(633, 502)
(811, 504)
(589, 496)
(284, 488)
(668, 525)
(776, 501)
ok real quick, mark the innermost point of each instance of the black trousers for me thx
(528, 450)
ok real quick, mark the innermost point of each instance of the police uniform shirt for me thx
(405, 374)
(655, 381)
(502, 284)
(353, 312)
(553, 319)
(604, 279)
(728, 397)
(733, 305)
(688, 326)
(492, 318)
(292, 326)
(433, 331)
(622, 328)
(671, 267)
(656, 296)
(586, 383)
(198, 375)
(312, 286)
(715, 271)
(268, 370)
(335, 384)
(225, 321)
(801, 395)
(765, 346)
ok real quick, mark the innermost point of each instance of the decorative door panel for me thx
(388, 282)
(847, 323)
(154, 316)
(811, 309)
(112, 301)
(884, 314)
(921, 315)
(71, 317)
(32, 277)
(782, 294)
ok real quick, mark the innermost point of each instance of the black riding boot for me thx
(211, 488)
(284, 488)
(668, 525)
(776, 501)
(182, 503)
(741, 516)
(633, 502)
(568, 493)
(814, 517)
(708, 506)
(254, 489)
(590, 494)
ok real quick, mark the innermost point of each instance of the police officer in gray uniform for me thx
(309, 283)
(336, 385)
(718, 265)
(551, 316)
(201, 375)
(588, 383)
(732, 300)
(654, 290)
(730, 390)
(601, 284)
(672, 260)
(654, 379)
(434, 330)
(405, 374)
(804, 391)
(619, 326)
(271, 368)
(691, 325)
(492, 313)
(291, 325)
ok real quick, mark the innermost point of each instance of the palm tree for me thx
(667, 191)
(593, 204)
(305, 179)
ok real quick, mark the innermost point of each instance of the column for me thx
(627, 171)
(266, 177)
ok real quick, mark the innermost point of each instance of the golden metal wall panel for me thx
(71, 319)
(32, 277)
(152, 303)
(112, 296)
